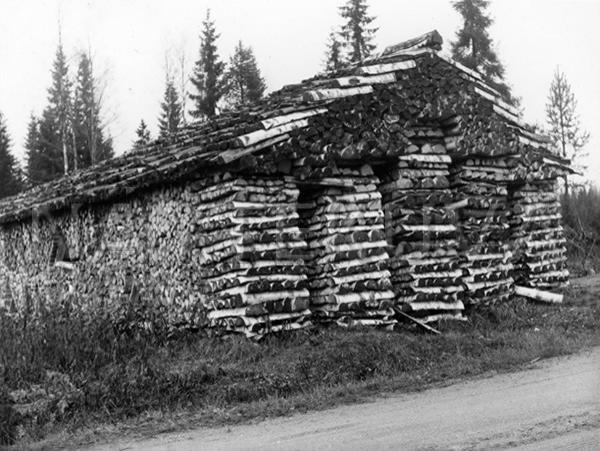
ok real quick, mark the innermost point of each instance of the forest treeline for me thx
(71, 133)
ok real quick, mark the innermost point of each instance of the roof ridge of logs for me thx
(235, 138)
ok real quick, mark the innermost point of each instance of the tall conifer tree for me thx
(10, 173)
(49, 141)
(356, 31)
(89, 139)
(34, 164)
(59, 108)
(333, 54)
(142, 136)
(473, 46)
(170, 116)
(243, 81)
(207, 78)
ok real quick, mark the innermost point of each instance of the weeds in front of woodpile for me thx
(77, 368)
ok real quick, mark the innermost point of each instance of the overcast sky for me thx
(131, 40)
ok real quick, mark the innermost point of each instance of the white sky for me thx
(130, 38)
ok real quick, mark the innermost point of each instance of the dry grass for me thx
(212, 381)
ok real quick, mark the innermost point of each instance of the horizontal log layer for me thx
(367, 296)
(435, 306)
(445, 298)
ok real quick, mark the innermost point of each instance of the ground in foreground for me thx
(555, 405)
(209, 382)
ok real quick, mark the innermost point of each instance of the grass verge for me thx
(200, 381)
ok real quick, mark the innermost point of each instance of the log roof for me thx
(267, 128)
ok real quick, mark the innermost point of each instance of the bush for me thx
(57, 359)
(581, 215)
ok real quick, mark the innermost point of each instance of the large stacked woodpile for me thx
(118, 254)
(343, 224)
(250, 254)
(466, 188)
(422, 231)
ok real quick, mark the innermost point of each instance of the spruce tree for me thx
(89, 139)
(49, 141)
(10, 174)
(244, 84)
(357, 35)
(170, 116)
(333, 54)
(38, 162)
(58, 112)
(49, 154)
(33, 160)
(207, 78)
(142, 136)
(563, 122)
(474, 48)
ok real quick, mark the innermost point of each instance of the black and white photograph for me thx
(300, 225)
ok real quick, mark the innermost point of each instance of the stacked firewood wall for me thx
(343, 224)
(481, 171)
(250, 252)
(538, 236)
(422, 232)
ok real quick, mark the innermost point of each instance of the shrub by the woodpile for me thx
(9, 417)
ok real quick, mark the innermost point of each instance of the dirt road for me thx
(554, 405)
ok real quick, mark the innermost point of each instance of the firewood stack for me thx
(444, 144)
(343, 224)
(250, 255)
(479, 179)
(540, 260)
(422, 233)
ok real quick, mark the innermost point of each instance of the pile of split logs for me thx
(480, 185)
(251, 256)
(402, 184)
(343, 224)
(538, 236)
(422, 232)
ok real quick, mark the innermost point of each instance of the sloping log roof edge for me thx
(231, 136)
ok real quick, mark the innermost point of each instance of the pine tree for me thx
(208, 73)
(333, 54)
(170, 116)
(10, 174)
(88, 138)
(357, 35)
(143, 136)
(563, 122)
(473, 46)
(243, 81)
